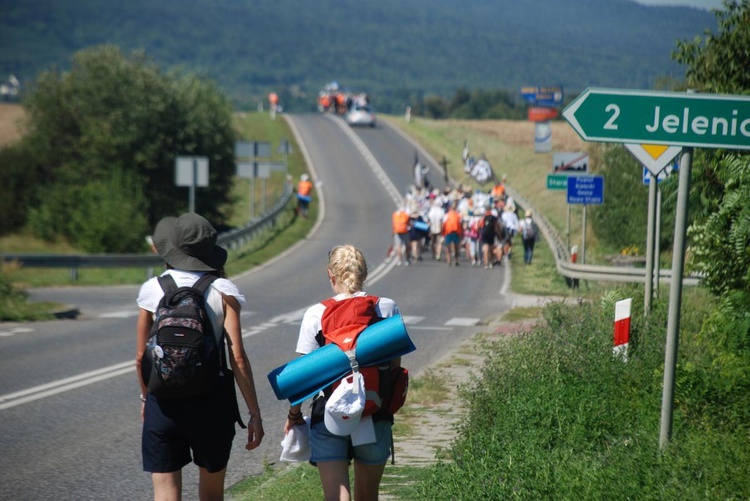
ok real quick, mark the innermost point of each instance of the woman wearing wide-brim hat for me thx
(201, 429)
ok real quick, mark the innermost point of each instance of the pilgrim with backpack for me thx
(353, 418)
(529, 234)
(187, 318)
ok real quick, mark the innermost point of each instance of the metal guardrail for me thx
(238, 238)
(232, 240)
(587, 271)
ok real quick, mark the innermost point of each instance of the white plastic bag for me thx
(296, 444)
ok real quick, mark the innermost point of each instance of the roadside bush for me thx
(13, 190)
(105, 215)
(13, 305)
(556, 415)
(113, 113)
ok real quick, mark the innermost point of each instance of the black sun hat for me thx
(188, 242)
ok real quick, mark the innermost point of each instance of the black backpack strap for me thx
(167, 283)
(203, 283)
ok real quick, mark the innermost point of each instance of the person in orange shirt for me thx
(324, 102)
(273, 104)
(304, 195)
(340, 103)
(498, 191)
(453, 232)
(401, 223)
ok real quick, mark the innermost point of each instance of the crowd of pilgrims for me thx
(484, 224)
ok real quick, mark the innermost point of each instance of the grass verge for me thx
(555, 416)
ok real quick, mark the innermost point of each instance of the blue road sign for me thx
(586, 190)
(550, 96)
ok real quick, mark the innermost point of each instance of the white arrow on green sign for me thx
(670, 118)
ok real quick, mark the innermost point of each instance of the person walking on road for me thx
(401, 224)
(491, 230)
(510, 228)
(452, 234)
(529, 232)
(201, 429)
(435, 217)
(332, 450)
(304, 195)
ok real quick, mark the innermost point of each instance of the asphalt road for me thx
(69, 408)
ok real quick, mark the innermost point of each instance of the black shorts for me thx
(488, 239)
(172, 428)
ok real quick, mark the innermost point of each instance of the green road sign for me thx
(669, 118)
(557, 182)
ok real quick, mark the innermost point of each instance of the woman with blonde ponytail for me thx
(331, 451)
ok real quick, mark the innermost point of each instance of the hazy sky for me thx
(702, 4)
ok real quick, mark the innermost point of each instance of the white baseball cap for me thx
(344, 407)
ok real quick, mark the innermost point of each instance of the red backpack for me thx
(342, 322)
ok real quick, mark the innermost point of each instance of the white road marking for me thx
(462, 322)
(56, 387)
(120, 314)
(291, 317)
(62, 385)
(428, 328)
(251, 332)
(410, 319)
(14, 331)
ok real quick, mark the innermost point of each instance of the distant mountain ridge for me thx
(391, 48)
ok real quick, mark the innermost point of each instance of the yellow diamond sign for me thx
(654, 157)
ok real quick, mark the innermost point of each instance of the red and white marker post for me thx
(622, 328)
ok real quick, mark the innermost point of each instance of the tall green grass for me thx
(556, 416)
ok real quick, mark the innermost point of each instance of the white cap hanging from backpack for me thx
(345, 406)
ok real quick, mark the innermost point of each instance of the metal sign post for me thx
(675, 298)
(650, 245)
(191, 172)
(251, 150)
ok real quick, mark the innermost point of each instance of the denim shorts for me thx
(327, 447)
(451, 238)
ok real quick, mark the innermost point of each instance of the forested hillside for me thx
(392, 49)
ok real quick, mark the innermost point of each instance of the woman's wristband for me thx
(294, 416)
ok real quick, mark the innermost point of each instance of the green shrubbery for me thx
(13, 305)
(99, 152)
(555, 415)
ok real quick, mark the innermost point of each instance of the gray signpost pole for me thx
(583, 237)
(567, 229)
(675, 298)
(657, 246)
(252, 190)
(648, 295)
(191, 201)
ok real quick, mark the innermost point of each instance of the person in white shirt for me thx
(510, 228)
(201, 429)
(347, 272)
(435, 217)
(528, 231)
